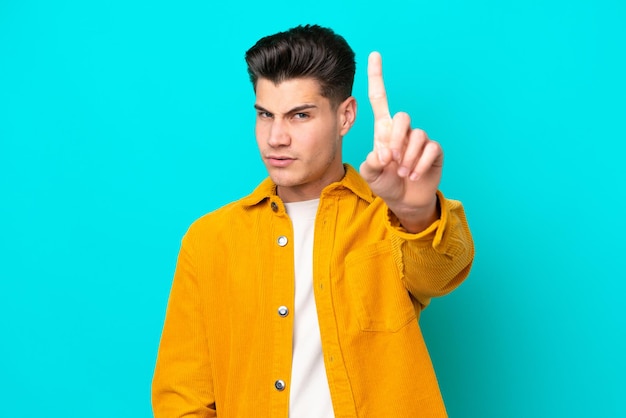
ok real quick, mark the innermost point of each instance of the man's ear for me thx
(347, 114)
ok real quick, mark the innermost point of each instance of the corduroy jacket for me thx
(226, 346)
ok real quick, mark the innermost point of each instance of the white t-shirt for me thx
(309, 395)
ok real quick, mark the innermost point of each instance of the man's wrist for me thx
(416, 220)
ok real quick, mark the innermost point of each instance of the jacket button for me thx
(274, 206)
(279, 385)
(282, 240)
(283, 311)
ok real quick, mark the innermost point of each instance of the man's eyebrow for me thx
(300, 108)
(296, 109)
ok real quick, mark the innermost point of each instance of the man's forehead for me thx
(288, 93)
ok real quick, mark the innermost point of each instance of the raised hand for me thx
(404, 168)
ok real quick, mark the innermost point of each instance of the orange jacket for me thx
(225, 347)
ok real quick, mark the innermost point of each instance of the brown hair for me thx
(309, 51)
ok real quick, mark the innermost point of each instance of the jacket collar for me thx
(352, 181)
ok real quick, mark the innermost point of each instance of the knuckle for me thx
(419, 134)
(435, 146)
(402, 117)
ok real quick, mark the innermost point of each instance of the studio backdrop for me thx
(123, 121)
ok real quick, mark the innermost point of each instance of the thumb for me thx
(372, 167)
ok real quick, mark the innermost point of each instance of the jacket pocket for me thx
(377, 293)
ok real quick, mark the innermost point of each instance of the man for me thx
(303, 298)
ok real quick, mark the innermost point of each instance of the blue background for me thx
(121, 122)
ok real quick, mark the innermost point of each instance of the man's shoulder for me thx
(218, 215)
(233, 212)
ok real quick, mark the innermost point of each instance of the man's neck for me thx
(308, 191)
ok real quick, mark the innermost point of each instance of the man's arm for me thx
(404, 169)
(182, 385)
(435, 261)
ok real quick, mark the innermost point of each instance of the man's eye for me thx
(264, 115)
(301, 116)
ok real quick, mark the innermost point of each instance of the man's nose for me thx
(279, 134)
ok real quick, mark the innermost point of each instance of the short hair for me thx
(309, 51)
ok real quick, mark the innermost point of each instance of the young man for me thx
(303, 298)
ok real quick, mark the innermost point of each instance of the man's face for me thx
(299, 134)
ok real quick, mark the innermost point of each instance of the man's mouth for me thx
(279, 160)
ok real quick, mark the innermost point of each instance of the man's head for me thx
(302, 80)
(307, 51)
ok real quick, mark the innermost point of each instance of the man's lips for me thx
(279, 160)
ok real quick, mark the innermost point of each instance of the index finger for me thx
(376, 87)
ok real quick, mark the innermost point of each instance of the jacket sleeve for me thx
(435, 261)
(182, 383)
